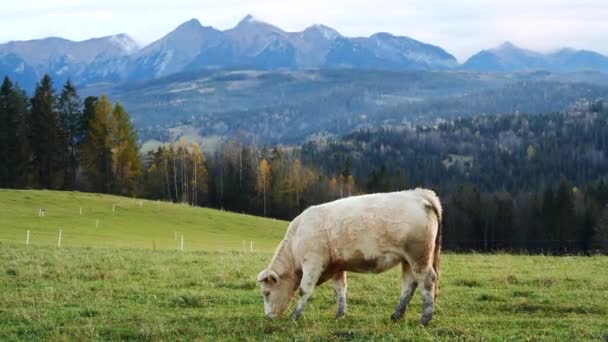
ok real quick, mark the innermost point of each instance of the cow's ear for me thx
(268, 276)
(273, 277)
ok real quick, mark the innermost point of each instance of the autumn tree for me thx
(97, 158)
(298, 180)
(263, 180)
(126, 165)
(199, 181)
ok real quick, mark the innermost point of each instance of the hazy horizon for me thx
(461, 27)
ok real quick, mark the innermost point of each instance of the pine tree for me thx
(18, 143)
(600, 233)
(88, 114)
(5, 91)
(564, 204)
(45, 135)
(68, 106)
(549, 215)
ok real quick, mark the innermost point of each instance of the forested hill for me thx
(535, 183)
(291, 106)
(517, 182)
(508, 152)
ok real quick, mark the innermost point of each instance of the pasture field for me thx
(84, 293)
(98, 286)
(151, 225)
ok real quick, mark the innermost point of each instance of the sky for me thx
(462, 27)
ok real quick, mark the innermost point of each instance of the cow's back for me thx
(365, 233)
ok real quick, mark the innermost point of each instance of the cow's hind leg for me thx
(409, 286)
(340, 287)
(426, 276)
(310, 277)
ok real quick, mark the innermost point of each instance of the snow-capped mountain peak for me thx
(125, 42)
(250, 19)
(327, 32)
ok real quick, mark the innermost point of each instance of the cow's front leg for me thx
(409, 286)
(340, 287)
(310, 277)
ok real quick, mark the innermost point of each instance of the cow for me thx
(364, 234)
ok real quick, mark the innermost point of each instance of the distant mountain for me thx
(173, 52)
(252, 43)
(255, 44)
(87, 60)
(510, 58)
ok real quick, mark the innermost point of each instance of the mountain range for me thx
(254, 44)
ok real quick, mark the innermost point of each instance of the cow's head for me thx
(277, 292)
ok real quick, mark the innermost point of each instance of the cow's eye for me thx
(266, 294)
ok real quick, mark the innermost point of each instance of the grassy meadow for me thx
(98, 286)
(113, 221)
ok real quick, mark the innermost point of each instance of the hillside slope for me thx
(287, 107)
(151, 225)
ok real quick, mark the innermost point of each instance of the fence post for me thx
(251, 245)
(27, 239)
(182, 243)
(59, 240)
(80, 211)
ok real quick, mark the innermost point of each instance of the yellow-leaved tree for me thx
(126, 164)
(263, 180)
(97, 156)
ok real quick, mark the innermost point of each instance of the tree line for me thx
(529, 183)
(242, 178)
(56, 141)
(535, 183)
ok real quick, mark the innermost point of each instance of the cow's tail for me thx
(435, 205)
(437, 254)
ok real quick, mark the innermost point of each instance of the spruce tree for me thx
(564, 203)
(600, 233)
(45, 135)
(13, 107)
(68, 106)
(5, 91)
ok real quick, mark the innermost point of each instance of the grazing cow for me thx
(368, 233)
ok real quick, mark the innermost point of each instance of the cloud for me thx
(462, 27)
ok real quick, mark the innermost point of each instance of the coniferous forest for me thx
(522, 183)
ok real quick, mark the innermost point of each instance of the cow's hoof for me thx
(425, 319)
(396, 316)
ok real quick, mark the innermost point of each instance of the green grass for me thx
(86, 293)
(90, 290)
(152, 226)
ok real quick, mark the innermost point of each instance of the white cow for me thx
(368, 233)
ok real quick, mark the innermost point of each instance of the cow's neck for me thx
(283, 261)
